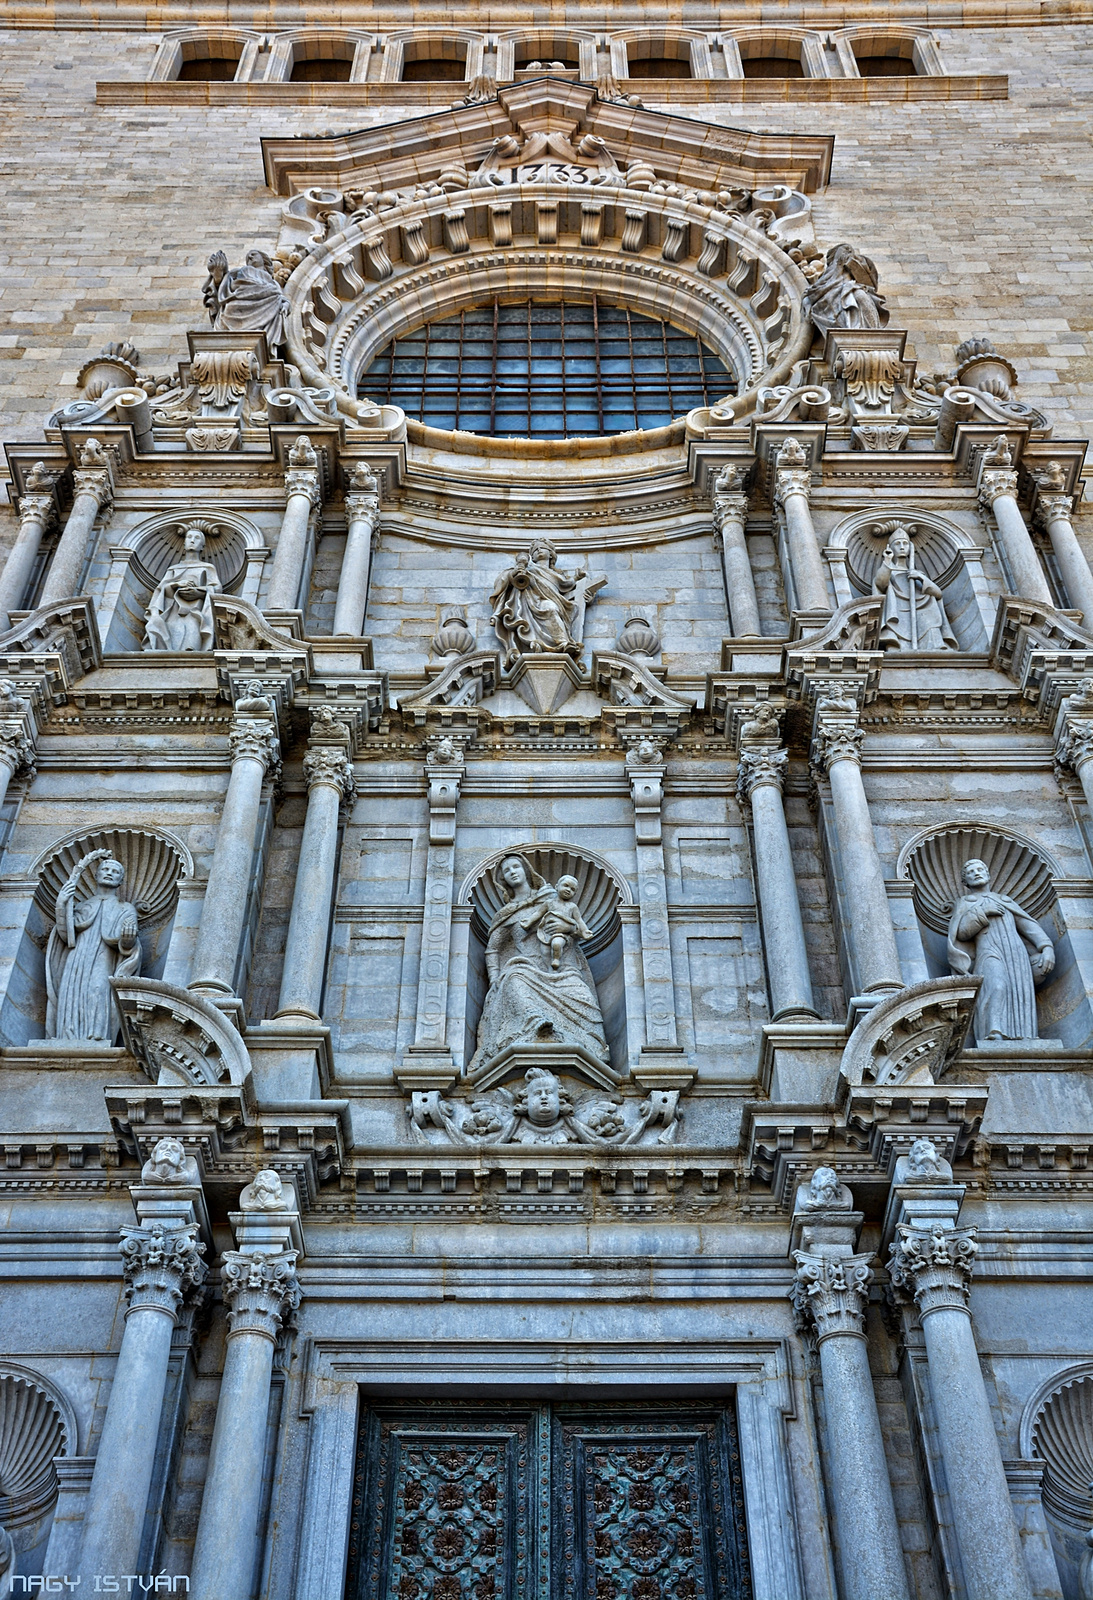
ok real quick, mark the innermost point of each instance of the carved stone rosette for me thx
(261, 1291)
(933, 1266)
(329, 764)
(830, 1293)
(162, 1266)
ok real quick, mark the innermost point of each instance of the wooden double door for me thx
(524, 1501)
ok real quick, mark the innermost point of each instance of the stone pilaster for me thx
(362, 510)
(759, 784)
(254, 748)
(428, 1064)
(730, 516)
(328, 773)
(303, 497)
(836, 748)
(792, 489)
(645, 771)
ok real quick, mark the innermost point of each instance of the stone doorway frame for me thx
(336, 1371)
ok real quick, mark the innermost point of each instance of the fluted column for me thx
(1053, 513)
(93, 481)
(37, 511)
(328, 773)
(933, 1265)
(254, 747)
(261, 1291)
(998, 493)
(830, 1294)
(792, 488)
(362, 509)
(761, 776)
(837, 749)
(304, 496)
(730, 516)
(162, 1266)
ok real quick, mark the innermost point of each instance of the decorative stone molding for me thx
(933, 1266)
(36, 1424)
(913, 1037)
(222, 377)
(162, 1265)
(934, 860)
(830, 1293)
(261, 1291)
(329, 764)
(178, 1037)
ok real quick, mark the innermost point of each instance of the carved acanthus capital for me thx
(162, 1265)
(789, 481)
(37, 508)
(1053, 508)
(933, 1266)
(761, 766)
(222, 377)
(837, 736)
(329, 764)
(830, 1293)
(16, 750)
(1075, 744)
(254, 739)
(261, 1291)
(363, 508)
(731, 509)
(302, 481)
(97, 483)
(994, 485)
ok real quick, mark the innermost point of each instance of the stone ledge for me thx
(666, 91)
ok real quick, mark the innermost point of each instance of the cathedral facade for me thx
(546, 767)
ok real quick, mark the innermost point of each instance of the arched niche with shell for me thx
(155, 862)
(1057, 1428)
(601, 897)
(933, 860)
(37, 1424)
(945, 552)
(141, 556)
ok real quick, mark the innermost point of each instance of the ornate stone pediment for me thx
(178, 1037)
(913, 1037)
(1039, 647)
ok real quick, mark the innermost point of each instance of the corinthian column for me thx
(931, 1264)
(792, 487)
(759, 784)
(37, 510)
(254, 747)
(730, 516)
(162, 1266)
(1074, 737)
(328, 773)
(1053, 513)
(998, 493)
(362, 508)
(303, 498)
(830, 1293)
(261, 1291)
(837, 749)
(93, 481)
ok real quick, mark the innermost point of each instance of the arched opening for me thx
(220, 68)
(322, 69)
(885, 58)
(435, 61)
(771, 58)
(542, 54)
(547, 371)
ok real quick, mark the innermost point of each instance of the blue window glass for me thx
(547, 371)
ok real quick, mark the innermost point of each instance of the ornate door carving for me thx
(529, 1502)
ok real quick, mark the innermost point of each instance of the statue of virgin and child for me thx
(541, 989)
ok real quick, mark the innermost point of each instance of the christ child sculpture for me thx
(562, 921)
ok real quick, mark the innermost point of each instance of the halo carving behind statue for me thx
(934, 860)
(154, 864)
(36, 1424)
(225, 548)
(599, 893)
(1062, 1435)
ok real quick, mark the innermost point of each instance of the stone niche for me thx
(136, 569)
(933, 861)
(155, 864)
(599, 896)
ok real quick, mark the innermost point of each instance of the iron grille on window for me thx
(547, 371)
